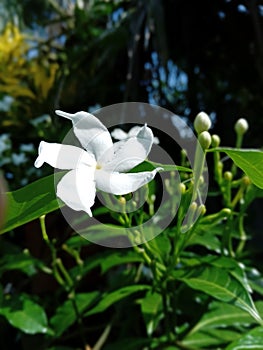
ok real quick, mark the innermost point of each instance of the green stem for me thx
(65, 274)
(167, 324)
(43, 228)
(218, 168)
(79, 318)
(102, 339)
(243, 236)
(239, 195)
(199, 162)
(227, 237)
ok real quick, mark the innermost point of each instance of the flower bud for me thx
(122, 200)
(246, 180)
(202, 210)
(202, 122)
(215, 140)
(228, 176)
(153, 198)
(241, 126)
(205, 139)
(182, 188)
(193, 206)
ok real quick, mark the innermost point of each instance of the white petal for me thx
(63, 156)
(117, 183)
(128, 153)
(77, 189)
(156, 141)
(119, 134)
(92, 134)
(134, 131)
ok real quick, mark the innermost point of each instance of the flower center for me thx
(98, 167)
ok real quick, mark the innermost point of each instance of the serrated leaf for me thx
(30, 202)
(111, 298)
(26, 315)
(65, 315)
(249, 341)
(249, 160)
(221, 285)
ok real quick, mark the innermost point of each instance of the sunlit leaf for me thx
(210, 337)
(221, 285)
(30, 202)
(25, 314)
(249, 160)
(249, 341)
(148, 166)
(224, 315)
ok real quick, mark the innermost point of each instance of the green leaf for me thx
(104, 233)
(22, 261)
(206, 238)
(25, 314)
(148, 166)
(65, 314)
(119, 258)
(31, 201)
(160, 246)
(210, 338)
(151, 307)
(111, 298)
(224, 315)
(249, 160)
(249, 341)
(220, 284)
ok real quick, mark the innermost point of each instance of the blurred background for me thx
(184, 55)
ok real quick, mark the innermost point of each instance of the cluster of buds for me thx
(202, 124)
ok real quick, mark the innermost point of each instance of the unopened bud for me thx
(205, 139)
(220, 166)
(246, 180)
(182, 188)
(193, 206)
(122, 200)
(241, 126)
(183, 153)
(215, 140)
(201, 180)
(225, 212)
(153, 198)
(201, 210)
(202, 122)
(228, 176)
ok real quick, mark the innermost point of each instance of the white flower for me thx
(119, 134)
(101, 164)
